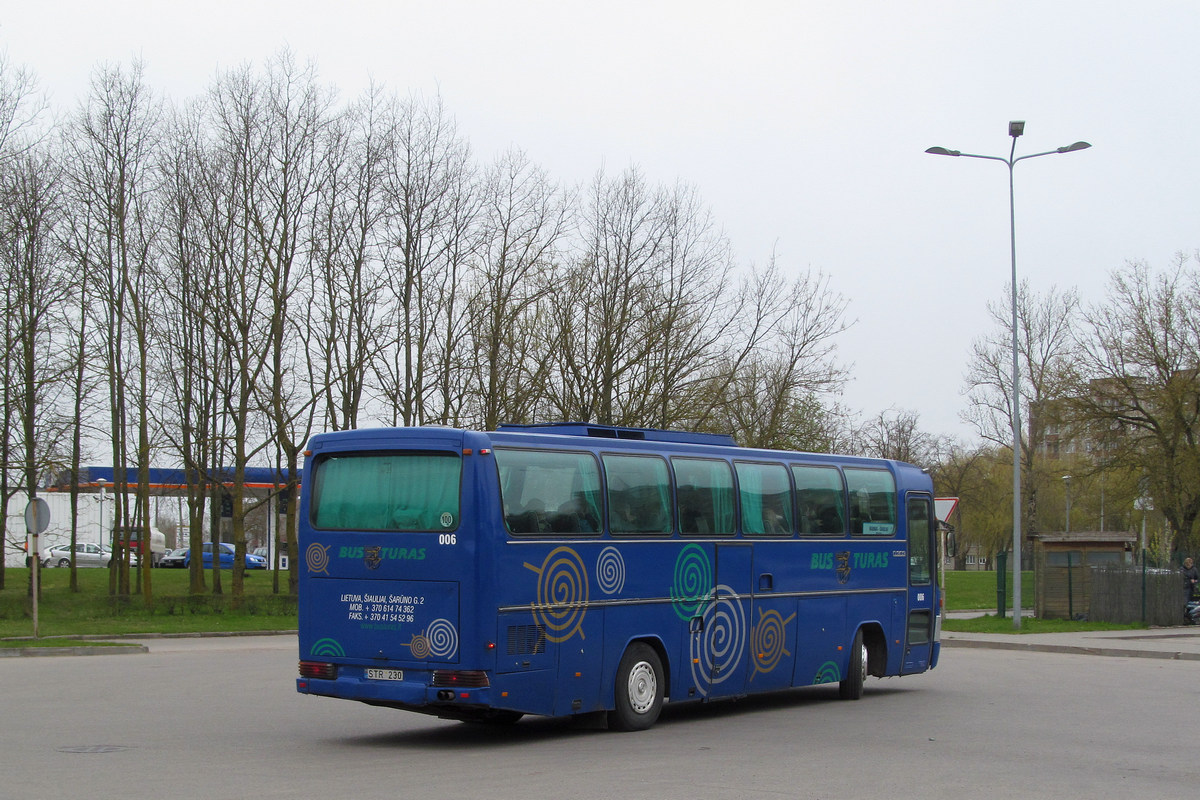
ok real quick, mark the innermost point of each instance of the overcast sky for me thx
(802, 124)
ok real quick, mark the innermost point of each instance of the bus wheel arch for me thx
(640, 686)
(877, 650)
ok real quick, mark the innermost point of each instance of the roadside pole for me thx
(37, 519)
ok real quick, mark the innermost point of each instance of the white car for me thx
(86, 554)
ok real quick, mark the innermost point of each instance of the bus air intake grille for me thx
(526, 640)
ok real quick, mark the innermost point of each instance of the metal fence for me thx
(1127, 595)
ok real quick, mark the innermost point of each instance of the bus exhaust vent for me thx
(526, 640)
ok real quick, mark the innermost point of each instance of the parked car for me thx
(266, 553)
(174, 558)
(86, 554)
(226, 552)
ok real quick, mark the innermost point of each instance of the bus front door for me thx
(922, 586)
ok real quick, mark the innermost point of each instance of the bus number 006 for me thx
(447, 538)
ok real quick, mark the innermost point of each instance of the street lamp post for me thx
(1067, 483)
(101, 537)
(1015, 129)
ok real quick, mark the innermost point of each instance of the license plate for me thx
(385, 674)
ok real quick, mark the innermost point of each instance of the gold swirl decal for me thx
(562, 594)
(767, 640)
(316, 557)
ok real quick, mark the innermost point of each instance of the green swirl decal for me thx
(693, 582)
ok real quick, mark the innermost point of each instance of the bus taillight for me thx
(461, 678)
(318, 669)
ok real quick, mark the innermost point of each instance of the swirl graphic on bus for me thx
(610, 571)
(767, 640)
(693, 582)
(828, 673)
(562, 594)
(316, 557)
(439, 640)
(717, 650)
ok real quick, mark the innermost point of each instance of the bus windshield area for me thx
(410, 491)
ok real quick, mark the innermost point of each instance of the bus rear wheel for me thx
(638, 690)
(856, 673)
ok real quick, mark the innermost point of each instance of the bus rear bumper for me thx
(401, 694)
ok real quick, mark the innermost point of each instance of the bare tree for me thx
(772, 394)
(605, 296)
(428, 169)
(1046, 325)
(1141, 355)
(187, 357)
(345, 315)
(36, 290)
(112, 143)
(896, 434)
(21, 109)
(524, 221)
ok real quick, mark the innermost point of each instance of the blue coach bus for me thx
(572, 568)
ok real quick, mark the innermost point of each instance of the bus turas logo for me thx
(845, 562)
(316, 557)
(693, 583)
(374, 556)
(767, 640)
(843, 566)
(562, 594)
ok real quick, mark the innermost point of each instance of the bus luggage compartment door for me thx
(392, 620)
(719, 633)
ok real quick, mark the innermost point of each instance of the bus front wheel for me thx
(856, 673)
(638, 690)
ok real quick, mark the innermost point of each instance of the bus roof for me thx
(614, 432)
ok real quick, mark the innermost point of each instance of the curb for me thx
(115, 650)
(126, 649)
(1113, 652)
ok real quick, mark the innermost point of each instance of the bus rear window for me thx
(413, 491)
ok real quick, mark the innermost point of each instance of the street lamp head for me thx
(1016, 128)
(1070, 148)
(941, 151)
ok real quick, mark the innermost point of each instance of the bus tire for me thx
(638, 690)
(851, 688)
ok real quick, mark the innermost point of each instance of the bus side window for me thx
(639, 491)
(821, 500)
(766, 499)
(872, 501)
(704, 496)
(549, 491)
